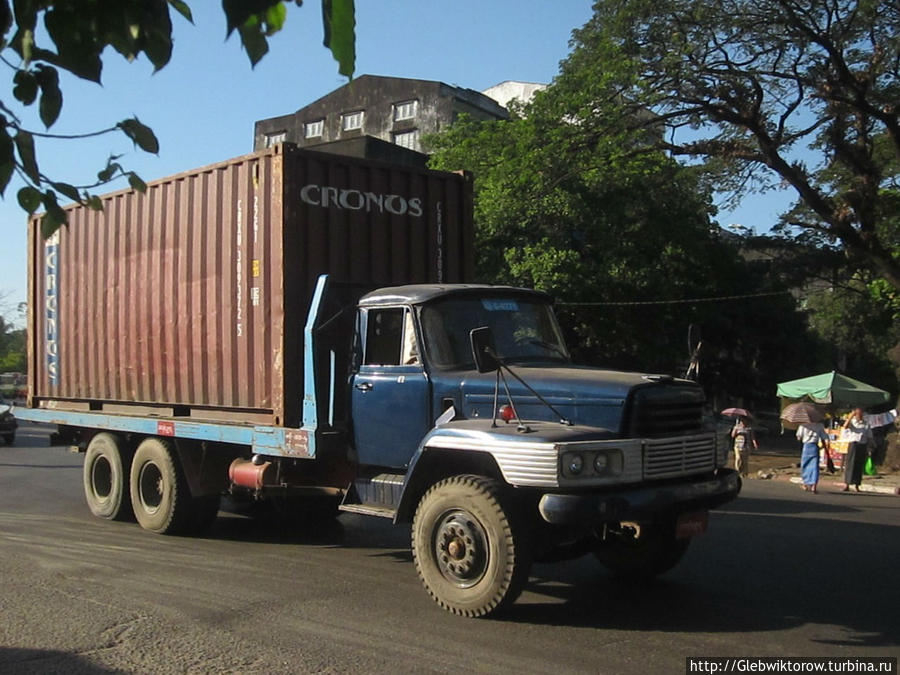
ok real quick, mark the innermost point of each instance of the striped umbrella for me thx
(802, 413)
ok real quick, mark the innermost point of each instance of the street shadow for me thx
(41, 466)
(754, 572)
(344, 531)
(26, 661)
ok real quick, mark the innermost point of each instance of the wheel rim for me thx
(461, 548)
(150, 484)
(101, 478)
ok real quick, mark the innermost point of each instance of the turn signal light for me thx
(507, 413)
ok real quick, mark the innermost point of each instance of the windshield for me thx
(524, 330)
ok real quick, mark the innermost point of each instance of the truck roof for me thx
(417, 294)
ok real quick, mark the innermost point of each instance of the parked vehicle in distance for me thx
(8, 423)
(296, 327)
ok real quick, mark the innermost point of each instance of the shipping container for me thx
(189, 300)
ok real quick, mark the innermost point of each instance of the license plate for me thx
(691, 524)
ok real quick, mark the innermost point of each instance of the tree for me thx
(620, 234)
(799, 92)
(40, 38)
(12, 340)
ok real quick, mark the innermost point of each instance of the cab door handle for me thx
(364, 386)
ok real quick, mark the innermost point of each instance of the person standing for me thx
(743, 436)
(858, 432)
(809, 434)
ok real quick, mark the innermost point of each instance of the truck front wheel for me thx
(468, 547)
(159, 491)
(106, 465)
(639, 551)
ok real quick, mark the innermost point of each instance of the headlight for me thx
(594, 464)
(574, 463)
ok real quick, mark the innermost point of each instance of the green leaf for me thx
(254, 42)
(339, 22)
(182, 8)
(29, 198)
(136, 183)
(6, 18)
(275, 18)
(79, 39)
(25, 146)
(26, 86)
(94, 202)
(24, 43)
(107, 174)
(254, 20)
(54, 217)
(140, 134)
(51, 95)
(7, 157)
(68, 190)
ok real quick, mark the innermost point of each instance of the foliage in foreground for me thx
(41, 38)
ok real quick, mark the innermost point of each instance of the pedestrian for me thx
(743, 436)
(858, 431)
(809, 434)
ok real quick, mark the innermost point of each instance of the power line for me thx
(721, 298)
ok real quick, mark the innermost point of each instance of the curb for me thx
(865, 487)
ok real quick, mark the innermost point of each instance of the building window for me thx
(354, 120)
(276, 138)
(405, 111)
(408, 139)
(313, 129)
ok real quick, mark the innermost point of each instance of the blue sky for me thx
(203, 104)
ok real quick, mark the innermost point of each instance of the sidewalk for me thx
(785, 467)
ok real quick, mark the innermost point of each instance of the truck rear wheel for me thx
(642, 551)
(467, 546)
(106, 466)
(159, 491)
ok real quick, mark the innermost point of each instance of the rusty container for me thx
(190, 299)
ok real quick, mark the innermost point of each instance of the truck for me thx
(300, 329)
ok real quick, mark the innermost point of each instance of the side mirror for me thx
(483, 349)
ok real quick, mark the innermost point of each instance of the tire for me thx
(106, 467)
(653, 551)
(468, 547)
(9, 439)
(159, 491)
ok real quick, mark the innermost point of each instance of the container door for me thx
(390, 394)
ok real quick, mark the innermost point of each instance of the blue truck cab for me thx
(535, 458)
(452, 408)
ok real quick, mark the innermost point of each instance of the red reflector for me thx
(507, 413)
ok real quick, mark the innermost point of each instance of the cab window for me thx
(390, 338)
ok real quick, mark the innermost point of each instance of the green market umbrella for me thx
(833, 388)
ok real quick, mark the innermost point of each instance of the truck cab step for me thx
(377, 495)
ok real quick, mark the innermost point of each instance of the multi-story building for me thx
(397, 110)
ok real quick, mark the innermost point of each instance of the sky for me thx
(203, 104)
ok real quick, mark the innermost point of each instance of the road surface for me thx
(780, 573)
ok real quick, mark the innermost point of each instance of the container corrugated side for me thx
(169, 297)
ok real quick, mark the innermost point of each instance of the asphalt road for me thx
(780, 573)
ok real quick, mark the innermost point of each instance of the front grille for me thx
(666, 410)
(683, 456)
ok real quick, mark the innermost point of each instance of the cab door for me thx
(390, 392)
